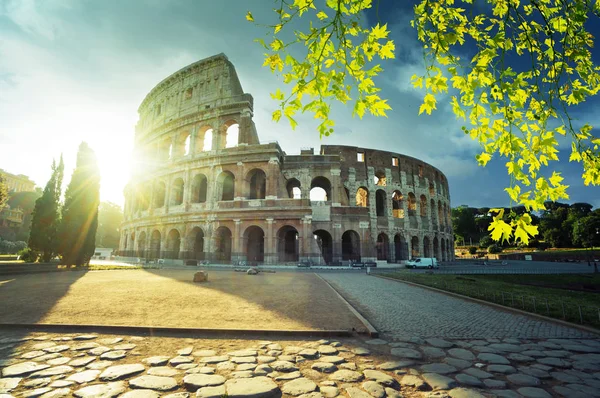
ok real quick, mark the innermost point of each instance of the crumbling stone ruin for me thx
(204, 188)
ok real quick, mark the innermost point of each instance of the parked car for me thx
(422, 262)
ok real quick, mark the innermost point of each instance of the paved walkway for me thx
(399, 310)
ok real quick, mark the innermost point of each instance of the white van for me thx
(422, 262)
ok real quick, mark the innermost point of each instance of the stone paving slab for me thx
(380, 371)
(400, 310)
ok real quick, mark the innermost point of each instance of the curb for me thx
(498, 306)
(168, 331)
(371, 329)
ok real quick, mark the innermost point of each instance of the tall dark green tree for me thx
(80, 210)
(45, 218)
(110, 217)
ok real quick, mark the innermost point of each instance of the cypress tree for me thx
(80, 210)
(45, 217)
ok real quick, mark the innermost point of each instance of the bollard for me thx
(523, 301)
(502, 297)
(534, 309)
(562, 303)
(512, 300)
(580, 314)
(547, 308)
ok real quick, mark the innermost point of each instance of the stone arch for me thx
(400, 247)
(412, 204)
(199, 188)
(427, 247)
(443, 249)
(440, 215)
(226, 184)
(196, 243)
(155, 245)
(431, 190)
(173, 244)
(256, 184)
(423, 206)
(383, 247)
(205, 139)
(232, 135)
(141, 249)
(288, 244)
(380, 179)
(182, 144)
(380, 202)
(320, 189)
(436, 248)
(254, 237)
(293, 188)
(433, 215)
(325, 244)
(160, 190)
(164, 149)
(222, 245)
(350, 246)
(397, 204)
(177, 192)
(414, 247)
(362, 197)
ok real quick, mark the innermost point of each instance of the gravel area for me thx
(401, 310)
(169, 298)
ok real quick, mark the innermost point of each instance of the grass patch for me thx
(557, 296)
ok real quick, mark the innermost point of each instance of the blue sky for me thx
(77, 70)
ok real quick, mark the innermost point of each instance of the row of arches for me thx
(204, 139)
(287, 246)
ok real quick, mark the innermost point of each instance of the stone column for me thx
(337, 188)
(240, 183)
(269, 242)
(305, 239)
(183, 244)
(168, 193)
(236, 243)
(408, 246)
(273, 173)
(193, 137)
(187, 189)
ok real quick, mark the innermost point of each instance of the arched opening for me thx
(186, 145)
(171, 151)
(350, 246)
(362, 197)
(164, 149)
(379, 179)
(414, 247)
(196, 242)
(145, 197)
(443, 249)
(423, 206)
(257, 184)
(223, 245)
(431, 189)
(154, 245)
(380, 201)
(446, 217)
(287, 244)
(320, 189)
(412, 204)
(255, 244)
(400, 247)
(173, 244)
(141, 249)
(325, 244)
(440, 215)
(232, 135)
(347, 192)
(177, 192)
(383, 246)
(227, 184)
(436, 249)
(397, 205)
(427, 247)
(199, 185)
(433, 215)
(207, 140)
(293, 189)
(159, 194)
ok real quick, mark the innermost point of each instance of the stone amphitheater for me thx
(204, 188)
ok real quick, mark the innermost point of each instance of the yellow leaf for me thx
(249, 17)
(428, 105)
(483, 158)
(278, 28)
(276, 115)
(321, 15)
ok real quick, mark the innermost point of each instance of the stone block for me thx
(201, 276)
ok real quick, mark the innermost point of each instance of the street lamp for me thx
(595, 263)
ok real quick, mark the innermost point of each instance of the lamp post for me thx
(595, 263)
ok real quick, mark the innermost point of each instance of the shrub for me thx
(472, 250)
(494, 249)
(28, 255)
(486, 241)
(543, 246)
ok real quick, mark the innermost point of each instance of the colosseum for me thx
(204, 188)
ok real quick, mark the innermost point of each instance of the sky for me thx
(77, 70)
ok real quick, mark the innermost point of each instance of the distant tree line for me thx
(560, 225)
(67, 229)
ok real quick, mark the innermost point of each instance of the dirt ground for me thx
(168, 298)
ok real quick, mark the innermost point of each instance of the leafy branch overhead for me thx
(338, 64)
(513, 71)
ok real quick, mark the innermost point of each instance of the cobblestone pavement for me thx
(400, 310)
(101, 366)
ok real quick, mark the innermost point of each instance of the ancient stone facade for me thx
(204, 187)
